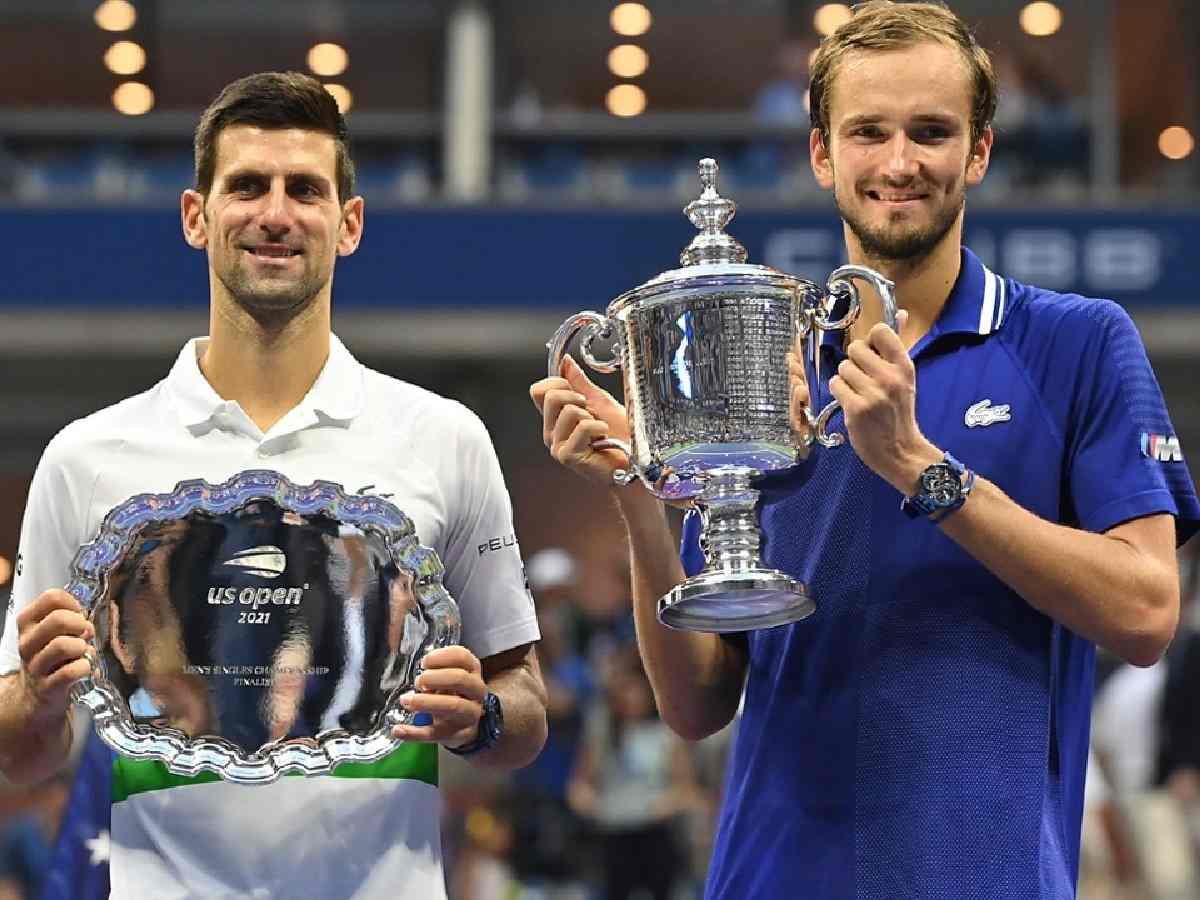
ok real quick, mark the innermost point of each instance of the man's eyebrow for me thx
(308, 176)
(298, 175)
(861, 119)
(872, 118)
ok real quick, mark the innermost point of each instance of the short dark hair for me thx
(884, 25)
(273, 100)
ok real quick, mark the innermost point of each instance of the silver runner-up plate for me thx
(257, 627)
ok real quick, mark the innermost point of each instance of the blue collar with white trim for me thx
(977, 303)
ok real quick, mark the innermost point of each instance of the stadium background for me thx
(511, 179)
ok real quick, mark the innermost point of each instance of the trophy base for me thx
(723, 602)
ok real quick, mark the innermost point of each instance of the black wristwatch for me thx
(941, 490)
(491, 726)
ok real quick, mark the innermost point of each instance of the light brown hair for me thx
(881, 25)
(273, 100)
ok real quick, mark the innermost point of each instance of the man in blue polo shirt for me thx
(924, 733)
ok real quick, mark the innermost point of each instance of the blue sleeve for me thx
(1123, 455)
(689, 544)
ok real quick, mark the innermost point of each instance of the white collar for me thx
(336, 395)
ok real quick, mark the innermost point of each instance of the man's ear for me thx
(351, 229)
(981, 155)
(191, 214)
(818, 158)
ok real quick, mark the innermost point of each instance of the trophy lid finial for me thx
(711, 213)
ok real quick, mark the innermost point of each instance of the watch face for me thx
(941, 484)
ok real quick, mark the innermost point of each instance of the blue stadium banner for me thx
(79, 866)
(556, 260)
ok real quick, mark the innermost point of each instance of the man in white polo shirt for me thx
(272, 387)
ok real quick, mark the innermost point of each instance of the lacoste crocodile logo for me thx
(983, 413)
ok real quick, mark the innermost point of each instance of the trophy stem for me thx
(731, 538)
(734, 592)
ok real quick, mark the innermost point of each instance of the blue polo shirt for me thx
(924, 734)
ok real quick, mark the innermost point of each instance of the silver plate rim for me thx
(323, 752)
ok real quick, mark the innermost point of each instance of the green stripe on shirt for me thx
(137, 776)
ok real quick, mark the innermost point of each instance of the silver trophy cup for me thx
(703, 354)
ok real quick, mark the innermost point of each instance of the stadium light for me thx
(630, 19)
(628, 61)
(1176, 142)
(132, 98)
(125, 58)
(626, 100)
(1041, 19)
(327, 60)
(115, 15)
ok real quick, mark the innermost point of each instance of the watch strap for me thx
(491, 726)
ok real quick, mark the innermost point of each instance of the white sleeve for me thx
(484, 572)
(50, 537)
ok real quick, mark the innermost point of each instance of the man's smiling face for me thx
(273, 220)
(900, 155)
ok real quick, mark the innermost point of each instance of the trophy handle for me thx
(819, 427)
(841, 285)
(594, 326)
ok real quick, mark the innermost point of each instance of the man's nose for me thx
(276, 216)
(901, 157)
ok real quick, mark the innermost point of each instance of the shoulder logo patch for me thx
(1161, 447)
(983, 413)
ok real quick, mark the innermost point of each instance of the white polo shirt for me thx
(365, 831)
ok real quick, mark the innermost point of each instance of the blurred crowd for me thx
(1042, 146)
(1142, 806)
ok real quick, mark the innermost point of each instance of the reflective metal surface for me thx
(256, 627)
(703, 353)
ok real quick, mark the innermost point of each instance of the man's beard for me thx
(266, 299)
(901, 244)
